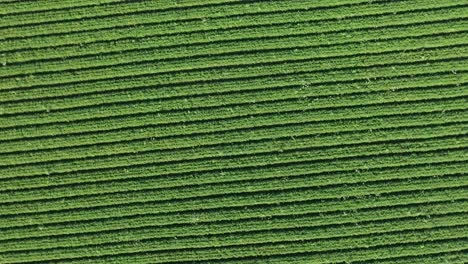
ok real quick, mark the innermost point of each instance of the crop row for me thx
(228, 247)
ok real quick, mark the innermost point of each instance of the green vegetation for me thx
(233, 131)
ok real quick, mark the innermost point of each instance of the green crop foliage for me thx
(234, 131)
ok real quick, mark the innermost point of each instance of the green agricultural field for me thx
(234, 131)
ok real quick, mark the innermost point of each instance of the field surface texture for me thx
(234, 131)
